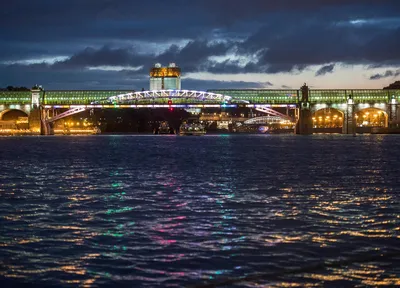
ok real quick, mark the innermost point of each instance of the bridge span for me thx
(44, 106)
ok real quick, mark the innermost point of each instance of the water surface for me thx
(167, 211)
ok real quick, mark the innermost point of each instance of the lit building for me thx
(165, 78)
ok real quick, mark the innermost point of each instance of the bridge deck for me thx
(254, 96)
(15, 97)
(315, 96)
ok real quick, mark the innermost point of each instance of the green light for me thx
(114, 211)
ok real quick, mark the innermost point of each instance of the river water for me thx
(170, 211)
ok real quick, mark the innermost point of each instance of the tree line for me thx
(395, 85)
(12, 88)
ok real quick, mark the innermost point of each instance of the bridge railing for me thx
(368, 96)
(253, 96)
(78, 97)
(165, 100)
(358, 96)
(327, 96)
(261, 96)
(15, 97)
(395, 94)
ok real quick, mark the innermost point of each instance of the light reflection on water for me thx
(169, 211)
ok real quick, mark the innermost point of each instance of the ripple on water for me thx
(169, 211)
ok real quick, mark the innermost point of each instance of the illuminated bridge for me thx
(347, 102)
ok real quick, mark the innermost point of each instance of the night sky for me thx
(110, 44)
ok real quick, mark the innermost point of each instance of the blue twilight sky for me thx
(112, 44)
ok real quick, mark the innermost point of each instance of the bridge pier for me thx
(349, 121)
(393, 114)
(46, 128)
(304, 125)
(34, 119)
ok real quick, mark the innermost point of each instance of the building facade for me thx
(165, 78)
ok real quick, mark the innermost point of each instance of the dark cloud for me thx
(55, 78)
(327, 44)
(103, 57)
(233, 67)
(197, 84)
(388, 73)
(52, 78)
(325, 70)
(192, 57)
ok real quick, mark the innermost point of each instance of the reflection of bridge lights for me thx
(263, 129)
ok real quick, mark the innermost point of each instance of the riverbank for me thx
(16, 132)
(385, 130)
(360, 130)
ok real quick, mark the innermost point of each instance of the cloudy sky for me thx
(112, 44)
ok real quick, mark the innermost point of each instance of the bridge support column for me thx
(35, 117)
(34, 120)
(349, 121)
(393, 114)
(45, 127)
(304, 125)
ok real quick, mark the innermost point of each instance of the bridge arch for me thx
(328, 117)
(267, 120)
(371, 117)
(17, 112)
(136, 97)
(168, 94)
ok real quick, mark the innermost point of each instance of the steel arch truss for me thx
(268, 111)
(67, 113)
(148, 95)
(170, 94)
(272, 112)
(267, 120)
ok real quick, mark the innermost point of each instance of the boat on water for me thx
(192, 129)
(163, 128)
(94, 131)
